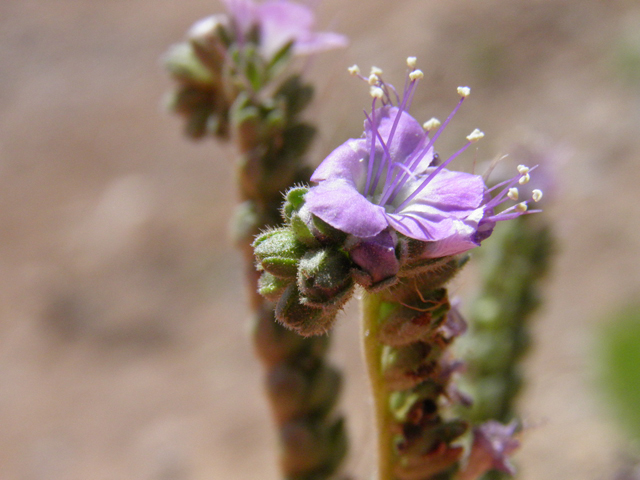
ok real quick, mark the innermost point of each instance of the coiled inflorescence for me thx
(385, 207)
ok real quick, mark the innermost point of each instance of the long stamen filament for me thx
(432, 176)
(372, 152)
(498, 199)
(401, 179)
(401, 108)
(385, 158)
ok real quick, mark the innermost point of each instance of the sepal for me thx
(280, 242)
(324, 277)
(305, 319)
(272, 287)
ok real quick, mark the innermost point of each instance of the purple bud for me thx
(375, 255)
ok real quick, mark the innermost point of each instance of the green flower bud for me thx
(326, 233)
(304, 319)
(278, 252)
(280, 266)
(324, 277)
(272, 287)
(302, 231)
(294, 200)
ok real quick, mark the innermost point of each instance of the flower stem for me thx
(406, 333)
(372, 349)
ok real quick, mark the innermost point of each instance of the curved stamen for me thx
(402, 167)
(431, 177)
(385, 157)
(407, 173)
(401, 179)
(396, 121)
(414, 76)
(510, 214)
(498, 199)
(372, 152)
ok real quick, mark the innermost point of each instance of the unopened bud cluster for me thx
(310, 269)
(304, 269)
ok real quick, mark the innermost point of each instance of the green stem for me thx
(372, 349)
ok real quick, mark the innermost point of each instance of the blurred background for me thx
(124, 345)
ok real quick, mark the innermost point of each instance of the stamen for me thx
(416, 75)
(464, 92)
(475, 136)
(431, 124)
(354, 70)
(498, 199)
(385, 157)
(411, 62)
(404, 167)
(404, 105)
(373, 80)
(376, 71)
(513, 194)
(399, 180)
(431, 177)
(536, 195)
(522, 207)
(376, 92)
(524, 179)
(523, 169)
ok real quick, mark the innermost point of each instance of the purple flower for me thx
(493, 443)
(391, 178)
(279, 22)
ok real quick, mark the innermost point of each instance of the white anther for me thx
(411, 62)
(524, 179)
(464, 91)
(475, 135)
(376, 71)
(354, 70)
(513, 194)
(431, 124)
(521, 207)
(416, 75)
(373, 79)
(536, 195)
(523, 169)
(376, 92)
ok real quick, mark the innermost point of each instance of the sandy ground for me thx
(124, 351)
